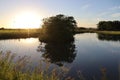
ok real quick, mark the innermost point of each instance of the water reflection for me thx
(92, 54)
(108, 37)
(59, 53)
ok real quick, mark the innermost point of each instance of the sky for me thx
(87, 13)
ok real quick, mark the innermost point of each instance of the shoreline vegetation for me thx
(97, 31)
(19, 33)
(15, 70)
(27, 33)
(59, 25)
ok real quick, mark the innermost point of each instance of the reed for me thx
(19, 70)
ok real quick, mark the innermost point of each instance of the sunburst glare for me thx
(27, 20)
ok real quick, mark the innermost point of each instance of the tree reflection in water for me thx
(108, 37)
(59, 53)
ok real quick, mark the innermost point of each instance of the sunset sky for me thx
(87, 13)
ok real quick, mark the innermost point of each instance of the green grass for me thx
(21, 70)
(14, 70)
(98, 31)
(27, 33)
(109, 32)
(19, 33)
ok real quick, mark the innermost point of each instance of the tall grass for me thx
(19, 70)
(12, 68)
(19, 33)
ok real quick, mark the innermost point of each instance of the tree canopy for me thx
(59, 28)
(109, 25)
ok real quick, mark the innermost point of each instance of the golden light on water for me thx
(27, 20)
(28, 41)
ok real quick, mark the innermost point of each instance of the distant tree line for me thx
(2, 28)
(109, 25)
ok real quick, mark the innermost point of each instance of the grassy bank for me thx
(109, 32)
(27, 33)
(19, 33)
(19, 70)
(98, 31)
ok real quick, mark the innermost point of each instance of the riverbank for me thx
(13, 70)
(109, 32)
(19, 33)
(27, 33)
(98, 31)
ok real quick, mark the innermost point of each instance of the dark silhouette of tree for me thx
(109, 25)
(59, 53)
(59, 28)
(2, 28)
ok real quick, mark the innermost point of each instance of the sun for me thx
(27, 20)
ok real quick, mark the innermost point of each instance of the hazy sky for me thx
(86, 12)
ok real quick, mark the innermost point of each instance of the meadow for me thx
(18, 33)
(109, 32)
(27, 33)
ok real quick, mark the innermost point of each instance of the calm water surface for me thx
(89, 54)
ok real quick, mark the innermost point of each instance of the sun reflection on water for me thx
(28, 40)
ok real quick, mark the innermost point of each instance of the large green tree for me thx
(59, 28)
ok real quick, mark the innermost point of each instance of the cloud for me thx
(103, 13)
(85, 6)
(115, 8)
(99, 19)
(115, 15)
(110, 11)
